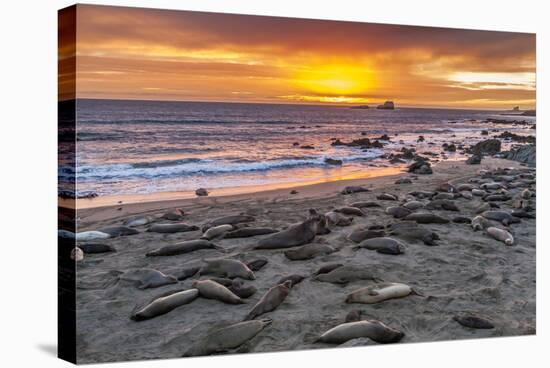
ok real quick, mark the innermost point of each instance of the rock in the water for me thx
(388, 105)
(487, 147)
(526, 154)
(201, 192)
(331, 161)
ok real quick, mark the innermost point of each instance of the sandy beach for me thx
(467, 272)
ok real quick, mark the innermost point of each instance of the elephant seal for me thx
(501, 216)
(374, 330)
(294, 279)
(257, 264)
(500, 235)
(447, 196)
(227, 338)
(337, 219)
(480, 223)
(229, 268)
(526, 194)
(354, 189)
(478, 192)
(176, 214)
(379, 292)
(171, 228)
(352, 211)
(93, 248)
(359, 235)
(238, 288)
(270, 300)
(465, 187)
(416, 233)
(398, 211)
(327, 268)
(446, 188)
(466, 194)
(308, 251)
(187, 273)
(217, 232)
(90, 235)
(183, 247)
(473, 321)
(422, 194)
(461, 220)
(365, 204)
(383, 245)
(413, 205)
(165, 304)
(116, 231)
(228, 220)
(442, 204)
(139, 221)
(77, 254)
(298, 234)
(345, 274)
(386, 197)
(522, 214)
(426, 218)
(212, 290)
(247, 232)
(145, 278)
(491, 186)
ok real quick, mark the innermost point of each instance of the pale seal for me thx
(91, 235)
(229, 268)
(270, 300)
(379, 292)
(480, 223)
(337, 219)
(501, 235)
(386, 197)
(217, 232)
(227, 338)
(139, 221)
(77, 254)
(210, 289)
(148, 278)
(165, 304)
(374, 330)
(171, 228)
(308, 251)
(182, 248)
(298, 234)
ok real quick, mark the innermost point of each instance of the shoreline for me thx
(89, 215)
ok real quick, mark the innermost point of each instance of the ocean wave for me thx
(188, 167)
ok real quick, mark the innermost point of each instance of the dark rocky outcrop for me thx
(518, 138)
(388, 105)
(332, 161)
(486, 147)
(420, 166)
(526, 154)
(474, 160)
(364, 143)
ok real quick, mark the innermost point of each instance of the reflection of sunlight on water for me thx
(309, 176)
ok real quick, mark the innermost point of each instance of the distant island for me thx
(517, 112)
(388, 105)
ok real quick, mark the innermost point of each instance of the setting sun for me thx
(336, 80)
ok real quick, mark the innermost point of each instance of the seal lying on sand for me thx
(173, 215)
(504, 217)
(501, 235)
(217, 232)
(148, 278)
(354, 189)
(187, 273)
(92, 248)
(165, 304)
(374, 330)
(228, 220)
(247, 232)
(337, 219)
(229, 268)
(366, 204)
(442, 204)
(171, 228)
(383, 245)
(183, 247)
(473, 321)
(398, 211)
(352, 211)
(227, 338)
(327, 268)
(426, 218)
(480, 223)
(257, 264)
(345, 274)
(212, 290)
(308, 251)
(379, 292)
(415, 233)
(139, 221)
(294, 279)
(238, 288)
(298, 234)
(90, 235)
(270, 300)
(413, 205)
(359, 235)
(116, 231)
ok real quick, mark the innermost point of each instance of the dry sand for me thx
(468, 271)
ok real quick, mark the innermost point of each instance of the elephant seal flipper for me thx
(270, 300)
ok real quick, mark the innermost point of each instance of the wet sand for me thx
(467, 272)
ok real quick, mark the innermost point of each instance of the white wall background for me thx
(28, 214)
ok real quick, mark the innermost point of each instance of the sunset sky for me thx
(129, 53)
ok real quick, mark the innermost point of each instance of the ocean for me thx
(147, 147)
